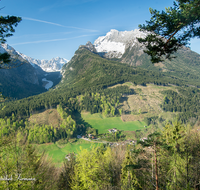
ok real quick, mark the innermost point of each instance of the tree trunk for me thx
(156, 168)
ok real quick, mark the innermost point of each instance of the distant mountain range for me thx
(53, 65)
(121, 47)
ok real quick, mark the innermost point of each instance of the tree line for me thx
(185, 101)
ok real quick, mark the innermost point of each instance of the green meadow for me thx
(98, 121)
(58, 154)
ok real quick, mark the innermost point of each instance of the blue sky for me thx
(52, 28)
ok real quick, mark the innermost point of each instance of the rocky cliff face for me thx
(22, 70)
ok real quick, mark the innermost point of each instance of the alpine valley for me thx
(108, 93)
(29, 76)
(113, 67)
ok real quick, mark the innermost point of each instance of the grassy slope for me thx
(147, 100)
(144, 103)
(48, 117)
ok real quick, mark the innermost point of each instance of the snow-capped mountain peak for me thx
(5, 48)
(115, 43)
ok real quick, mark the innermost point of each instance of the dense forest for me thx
(185, 101)
(168, 159)
(105, 102)
(87, 84)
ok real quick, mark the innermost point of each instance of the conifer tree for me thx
(128, 178)
(171, 29)
(175, 136)
(7, 25)
(155, 142)
(22, 167)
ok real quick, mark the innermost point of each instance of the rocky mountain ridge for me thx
(53, 65)
(114, 44)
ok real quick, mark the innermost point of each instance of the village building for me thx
(78, 136)
(112, 130)
(143, 139)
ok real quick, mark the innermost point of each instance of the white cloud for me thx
(45, 41)
(41, 35)
(56, 24)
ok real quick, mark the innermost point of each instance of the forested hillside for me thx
(184, 67)
(86, 73)
(22, 81)
(124, 47)
(25, 80)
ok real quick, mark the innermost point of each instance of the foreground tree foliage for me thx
(7, 25)
(171, 29)
(166, 160)
(22, 167)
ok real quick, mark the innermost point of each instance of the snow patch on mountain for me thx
(115, 43)
(107, 46)
(5, 48)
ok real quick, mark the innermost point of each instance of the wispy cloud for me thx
(41, 35)
(56, 24)
(45, 41)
